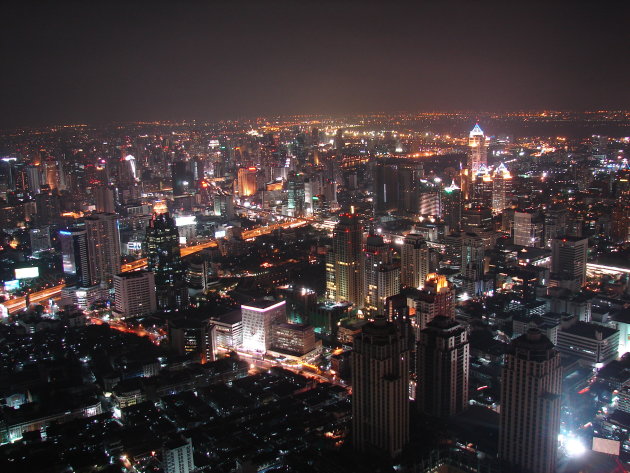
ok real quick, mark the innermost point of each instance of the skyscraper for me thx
(104, 197)
(387, 187)
(103, 238)
(380, 388)
(568, 262)
(296, 204)
(381, 276)
(501, 188)
(530, 404)
(442, 367)
(74, 254)
(452, 206)
(346, 260)
(414, 261)
(472, 268)
(477, 154)
(164, 260)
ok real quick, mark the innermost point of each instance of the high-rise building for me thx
(437, 297)
(247, 181)
(531, 387)
(74, 255)
(103, 238)
(177, 456)
(183, 177)
(258, 318)
(501, 188)
(443, 367)
(528, 229)
(568, 262)
(164, 260)
(387, 187)
(380, 388)
(477, 154)
(134, 294)
(381, 276)
(481, 188)
(346, 261)
(104, 197)
(414, 261)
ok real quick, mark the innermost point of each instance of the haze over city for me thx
(311, 236)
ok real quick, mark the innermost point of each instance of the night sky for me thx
(122, 61)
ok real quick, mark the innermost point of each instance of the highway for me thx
(19, 303)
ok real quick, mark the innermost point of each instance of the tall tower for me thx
(164, 260)
(443, 366)
(530, 404)
(528, 229)
(477, 154)
(103, 238)
(380, 388)
(247, 181)
(452, 206)
(346, 263)
(414, 261)
(381, 276)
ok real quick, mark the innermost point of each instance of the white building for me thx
(134, 294)
(258, 318)
(177, 456)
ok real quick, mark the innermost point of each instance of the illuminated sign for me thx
(12, 285)
(219, 234)
(185, 220)
(26, 273)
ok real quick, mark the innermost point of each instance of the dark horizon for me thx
(70, 62)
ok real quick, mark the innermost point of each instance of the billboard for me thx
(12, 285)
(611, 447)
(26, 273)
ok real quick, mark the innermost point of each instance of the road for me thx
(19, 303)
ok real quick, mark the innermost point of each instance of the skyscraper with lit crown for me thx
(477, 154)
(501, 188)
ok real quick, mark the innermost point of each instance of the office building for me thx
(568, 262)
(177, 456)
(380, 388)
(258, 318)
(442, 368)
(294, 339)
(40, 239)
(103, 240)
(196, 338)
(74, 256)
(472, 267)
(528, 229)
(592, 343)
(164, 260)
(134, 294)
(344, 266)
(531, 387)
(414, 257)
(452, 206)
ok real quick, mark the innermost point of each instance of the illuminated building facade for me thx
(414, 261)
(531, 387)
(258, 319)
(568, 262)
(501, 188)
(103, 238)
(528, 229)
(74, 254)
(477, 152)
(134, 294)
(345, 263)
(436, 298)
(381, 276)
(247, 182)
